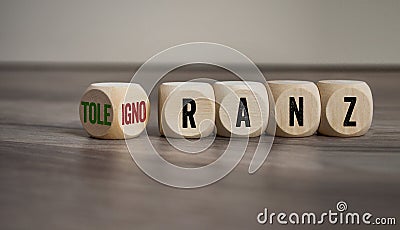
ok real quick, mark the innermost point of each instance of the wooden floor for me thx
(53, 176)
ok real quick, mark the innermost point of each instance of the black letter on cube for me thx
(243, 113)
(188, 114)
(293, 110)
(347, 121)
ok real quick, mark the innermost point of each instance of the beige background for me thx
(271, 32)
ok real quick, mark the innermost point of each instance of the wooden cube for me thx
(242, 108)
(114, 110)
(186, 109)
(347, 108)
(297, 107)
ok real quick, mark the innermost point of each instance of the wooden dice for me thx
(297, 107)
(342, 108)
(186, 109)
(242, 108)
(347, 108)
(114, 110)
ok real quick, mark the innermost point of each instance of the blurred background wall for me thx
(269, 32)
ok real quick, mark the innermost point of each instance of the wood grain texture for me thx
(53, 176)
(122, 100)
(306, 122)
(347, 108)
(172, 104)
(242, 108)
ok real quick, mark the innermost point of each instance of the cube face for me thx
(347, 108)
(96, 112)
(134, 111)
(186, 109)
(114, 110)
(297, 107)
(242, 108)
